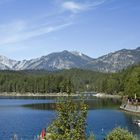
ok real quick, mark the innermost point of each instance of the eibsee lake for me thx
(27, 117)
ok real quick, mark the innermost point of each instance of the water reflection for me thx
(26, 117)
(42, 106)
(92, 104)
(29, 97)
(103, 116)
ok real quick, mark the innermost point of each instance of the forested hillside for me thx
(48, 82)
(125, 82)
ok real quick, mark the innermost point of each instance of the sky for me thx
(33, 28)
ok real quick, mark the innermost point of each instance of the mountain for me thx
(116, 61)
(6, 63)
(111, 62)
(53, 61)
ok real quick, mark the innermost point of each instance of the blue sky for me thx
(32, 28)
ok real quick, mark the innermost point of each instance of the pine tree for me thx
(70, 123)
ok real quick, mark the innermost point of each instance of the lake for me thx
(27, 117)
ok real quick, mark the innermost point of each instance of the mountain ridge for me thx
(111, 62)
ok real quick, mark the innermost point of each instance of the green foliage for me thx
(125, 82)
(132, 81)
(70, 123)
(91, 137)
(49, 82)
(120, 134)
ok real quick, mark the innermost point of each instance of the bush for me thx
(120, 134)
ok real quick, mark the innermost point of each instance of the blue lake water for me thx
(27, 117)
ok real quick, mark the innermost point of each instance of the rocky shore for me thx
(14, 94)
(130, 108)
(98, 95)
(103, 95)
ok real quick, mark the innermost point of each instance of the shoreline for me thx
(98, 95)
(103, 95)
(34, 94)
(131, 108)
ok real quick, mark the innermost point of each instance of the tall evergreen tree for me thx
(70, 123)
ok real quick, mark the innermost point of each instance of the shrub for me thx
(120, 134)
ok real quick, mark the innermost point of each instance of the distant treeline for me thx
(125, 82)
(48, 82)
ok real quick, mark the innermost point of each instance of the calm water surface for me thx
(27, 117)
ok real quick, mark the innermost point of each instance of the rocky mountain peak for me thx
(6, 62)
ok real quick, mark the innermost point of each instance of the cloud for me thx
(21, 30)
(16, 26)
(21, 33)
(96, 3)
(73, 6)
(81, 6)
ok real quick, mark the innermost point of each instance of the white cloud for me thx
(20, 30)
(81, 6)
(73, 6)
(96, 3)
(15, 26)
(17, 32)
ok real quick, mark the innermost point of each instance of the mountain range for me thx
(111, 62)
